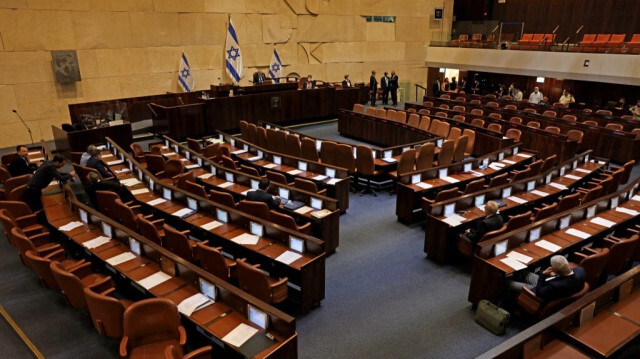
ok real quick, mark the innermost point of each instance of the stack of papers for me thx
(477, 174)
(214, 140)
(509, 162)
(246, 238)
(548, 246)
(124, 170)
(270, 165)
(627, 211)
(288, 257)
(130, 182)
(390, 160)
(153, 280)
(303, 210)
(603, 222)
(205, 176)
(211, 225)
(182, 212)
(121, 258)
(517, 199)
(558, 185)
(225, 185)
(320, 178)
(513, 263)
(139, 191)
(96, 242)
(454, 220)
(239, 335)
(184, 160)
(496, 166)
(107, 156)
(70, 226)
(582, 170)
(190, 167)
(539, 193)
(449, 179)
(576, 178)
(519, 257)
(193, 303)
(238, 152)
(576, 233)
(294, 172)
(523, 155)
(156, 201)
(169, 154)
(423, 185)
(254, 158)
(113, 163)
(333, 181)
(635, 198)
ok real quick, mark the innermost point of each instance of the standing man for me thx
(259, 77)
(42, 177)
(384, 85)
(346, 82)
(454, 84)
(436, 88)
(373, 84)
(536, 96)
(393, 87)
(20, 164)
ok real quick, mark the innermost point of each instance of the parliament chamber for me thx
(320, 179)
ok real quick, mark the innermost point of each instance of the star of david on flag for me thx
(185, 78)
(233, 55)
(275, 67)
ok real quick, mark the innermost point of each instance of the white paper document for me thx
(238, 152)
(390, 160)
(254, 158)
(182, 212)
(205, 176)
(288, 257)
(320, 178)
(517, 199)
(121, 258)
(603, 222)
(190, 167)
(184, 160)
(627, 211)
(123, 170)
(194, 302)
(246, 238)
(37, 159)
(519, 257)
(34, 153)
(303, 210)
(576, 178)
(130, 182)
(576, 233)
(70, 226)
(239, 335)
(270, 165)
(423, 185)
(635, 198)
(539, 193)
(523, 155)
(225, 185)
(496, 166)
(453, 220)
(96, 242)
(509, 162)
(582, 170)
(558, 186)
(333, 181)
(294, 172)
(513, 263)
(113, 163)
(139, 191)
(449, 179)
(156, 201)
(153, 280)
(211, 225)
(477, 174)
(548, 246)
(169, 154)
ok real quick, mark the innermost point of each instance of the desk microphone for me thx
(25, 125)
(180, 99)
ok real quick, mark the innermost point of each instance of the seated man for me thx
(96, 184)
(20, 164)
(261, 195)
(85, 156)
(490, 223)
(557, 281)
(346, 82)
(95, 161)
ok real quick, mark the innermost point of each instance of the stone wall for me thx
(132, 47)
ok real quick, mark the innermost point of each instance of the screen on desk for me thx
(228, 176)
(534, 234)
(479, 200)
(591, 211)
(449, 209)
(302, 166)
(468, 167)
(258, 317)
(565, 221)
(257, 229)
(316, 203)
(354, 152)
(614, 202)
(442, 172)
(586, 158)
(499, 248)
(439, 143)
(574, 164)
(254, 184)
(260, 154)
(277, 160)
(187, 155)
(548, 178)
(514, 151)
(140, 174)
(214, 170)
(222, 215)
(208, 289)
(388, 154)
(106, 229)
(83, 216)
(415, 179)
(373, 152)
(166, 193)
(562, 171)
(506, 192)
(485, 162)
(135, 247)
(330, 172)
(151, 185)
(283, 193)
(318, 144)
(296, 244)
(531, 185)
(500, 156)
(192, 203)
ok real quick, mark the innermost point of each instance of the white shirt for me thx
(517, 95)
(564, 99)
(536, 97)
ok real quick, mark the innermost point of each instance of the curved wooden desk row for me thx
(214, 321)
(602, 119)
(562, 233)
(426, 183)
(617, 145)
(545, 143)
(385, 158)
(306, 274)
(334, 179)
(601, 324)
(237, 183)
(448, 219)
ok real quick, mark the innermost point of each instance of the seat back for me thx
(511, 107)
(195, 188)
(614, 126)
(620, 254)
(212, 261)
(306, 185)
(401, 117)
(533, 124)
(535, 168)
(414, 120)
(151, 321)
(251, 171)
(525, 173)
(594, 266)
(514, 133)
(106, 200)
(364, 160)
(459, 108)
(425, 122)
(136, 149)
(570, 118)
(16, 209)
(471, 142)
(211, 151)
(590, 123)
(194, 145)
(592, 194)
(251, 134)
(492, 104)
(441, 114)
(460, 147)
(495, 115)
(624, 178)
(155, 163)
(445, 157)
(261, 137)
(271, 139)
(494, 127)
(459, 118)
(546, 212)
(253, 281)
(497, 181)
(328, 152)
(125, 215)
(293, 145)
(256, 209)
(425, 156)
(602, 38)
(17, 194)
(477, 112)
(477, 122)
(515, 119)
(474, 186)
(435, 125)
(518, 221)
(548, 163)
(569, 201)
(280, 141)
(549, 113)
(178, 243)
(555, 305)
(286, 221)
(70, 285)
(344, 157)
(371, 111)
(42, 267)
(276, 177)
(148, 229)
(588, 38)
(15, 182)
(228, 163)
(407, 162)
(391, 115)
(308, 149)
(454, 134)
(443, 129)
(358, 108)
(223, 198)
(381, 112)
(106, 313)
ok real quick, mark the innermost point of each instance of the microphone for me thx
(25, 125)
(180, 99)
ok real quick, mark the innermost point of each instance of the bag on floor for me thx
(492, 317)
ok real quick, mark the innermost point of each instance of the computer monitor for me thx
(166, 193)
(258, 317)
(449, 209)
(591, 211)
(534, 234)
(500, 248)
(283, 193)
(208, 289)
(468, 167)
(296, 244)
(316, 203)
(83, 216)
(565, 222)
(135, 247)
(257, 229)
(277, 160)
(415, 179)
(254, 184)
(106, 229)
(330, 172)
(388, 154)
(223, 216)
(506, 192)
(500, 156)
(442, 172)
(302, 166)
(228, 177)
(479, 200)
(531, 185)
(514, 151)
(192, 203)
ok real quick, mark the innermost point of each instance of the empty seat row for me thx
(613, 43)
(535, 42)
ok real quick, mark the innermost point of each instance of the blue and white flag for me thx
(275, 67)
(185, 78)
(233, 55)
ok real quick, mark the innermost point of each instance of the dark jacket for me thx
(488, 224)
(20, 166)
(346, 83)
(45, 174)
(99, 165)
(373, 83)
(384, 82)
(393, 83)
(552, 288)
(262, 196)
(435, 88)
(259, 78)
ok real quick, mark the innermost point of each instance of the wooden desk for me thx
(179, 121)
(78, 141)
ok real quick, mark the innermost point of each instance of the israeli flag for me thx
(233, 55)
(275, 68)
(185, 78)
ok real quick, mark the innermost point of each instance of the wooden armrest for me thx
(40, 239)
(580, 255)
(160, 174)
(135, 207)
(82, 270)
(148, 216)
(34, 231)
(608, 242)
(130, 203)
(109, 292)
(616, 239)
(186, 232)
(281, 282)
(204, 352)
(591, 250)
(183, 335)
(123, 347)
(304, 227)
(56, 256)
(219, 249)
(632, 230)
(31, 217)
(102, 286)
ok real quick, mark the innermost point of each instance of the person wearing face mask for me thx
(536, 96)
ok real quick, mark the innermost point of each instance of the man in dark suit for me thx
(309, 84)
(20, 164)
(259, 77)
(43, 177)
(557, 281)
(393, 87)
(490, 223)
(96, 162)
(94, 183)
(435, 88)
(261, 195)
(346, 82)
(384, 85)
(373, 84)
